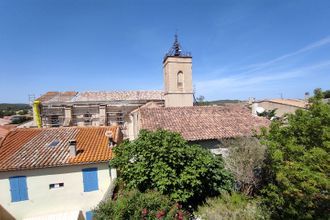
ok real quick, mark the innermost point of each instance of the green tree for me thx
(326, 94)
(164, 161)
(297, 171)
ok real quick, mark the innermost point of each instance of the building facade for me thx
(282, 106)
(53, 171)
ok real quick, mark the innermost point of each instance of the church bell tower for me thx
(177, 67)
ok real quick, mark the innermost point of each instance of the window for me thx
(90, 179)
(54, 143)
(180, 80)
(56, 185)
(87, 118)
(89, 215)
(18, 188)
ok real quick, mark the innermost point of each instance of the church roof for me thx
(102, 96)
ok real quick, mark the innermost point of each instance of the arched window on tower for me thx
(180, 80)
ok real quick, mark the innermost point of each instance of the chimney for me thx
(73, 148)
(306, 96)
(109, 134)
(251, 100)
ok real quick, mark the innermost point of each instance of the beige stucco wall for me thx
(43, 201)
(178, 100)
(175, 96)
(281, 109)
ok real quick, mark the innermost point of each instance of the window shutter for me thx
(89, 215)
(14, 189)
(90, 179)
(23, 188)
(18, 188)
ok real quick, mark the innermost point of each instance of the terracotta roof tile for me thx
(4, 129)
(119, 96)
(293, 102)
(52, 97)
(68, 97)
(203, 122)
(29, 148)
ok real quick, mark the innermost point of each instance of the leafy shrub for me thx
(136, 205)
(164, 161)
(234, 206)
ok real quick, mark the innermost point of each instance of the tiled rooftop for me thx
(203, 122)
(29, 148)
(119, 95)
(4, 130)
(293, 102)
(55, 97)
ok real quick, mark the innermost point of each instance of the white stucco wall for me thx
(43, 200)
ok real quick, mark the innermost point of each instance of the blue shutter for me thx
(18, 188)
(14, 189)
(90, 179)
(23, 188)
(89, 215)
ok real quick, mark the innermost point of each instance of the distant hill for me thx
(13, 107)
(224, 101)
(7, 109)
(220, 102)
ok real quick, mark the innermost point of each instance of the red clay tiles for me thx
(203, 122)
(29, 148)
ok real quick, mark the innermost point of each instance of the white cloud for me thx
(255, 76)
(248, 82)
(255, 67)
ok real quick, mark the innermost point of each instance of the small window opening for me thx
(180, 80)
(56, 185)
(87, 118)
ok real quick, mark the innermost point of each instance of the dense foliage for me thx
(326, 94)
(270, 114)
(136, 205)
(164, 161)
(233, 206)
(297, 172)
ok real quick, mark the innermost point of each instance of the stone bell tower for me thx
(177, 67)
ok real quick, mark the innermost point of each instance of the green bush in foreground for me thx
(298, 166)
(164, 161)
(136, 205)
(235, 206)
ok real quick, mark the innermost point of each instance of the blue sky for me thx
(240, 49)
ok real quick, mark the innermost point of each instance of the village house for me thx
(203, 125)
(60, 172)
(282, 106)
